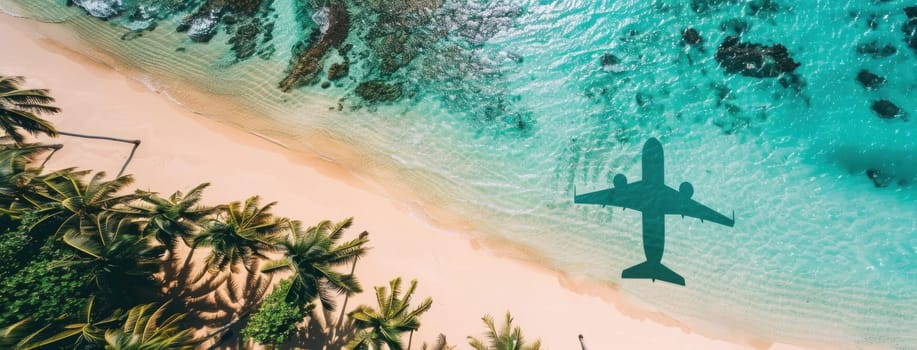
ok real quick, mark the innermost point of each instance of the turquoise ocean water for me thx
(506, 106)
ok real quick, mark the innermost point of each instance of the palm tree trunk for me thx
(581, 343)
(129, 157)
(353, 267)
(410, 338)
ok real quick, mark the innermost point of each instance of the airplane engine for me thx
(686, 189)
(620, 180)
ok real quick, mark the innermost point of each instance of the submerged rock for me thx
(886, 109)
(870, 80)
(609, 59)
(202, 24)
(611, 63)
(763, 8)
(910, 27)
(338, 70)
(133, 34)
(692, 37)
(754, 60)
(309, 63)
(244, 41)
(103, 9)
(737, 26)
(200, 28)
(704, 6)
(378, 91)
(876, 50)
(879, 179)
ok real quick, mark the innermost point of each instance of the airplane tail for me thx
(654, 271)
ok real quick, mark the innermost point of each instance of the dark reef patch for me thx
(338, 70)
(378, 91)
(704, 6)
(308, 64)
(910, 27)
(202, 25)
(691, 37)
(763, 8)
(887, 110)
(102, 9)
(876, 50)
(754, 60)
(879, 179)
(400, 30)
(870, 80)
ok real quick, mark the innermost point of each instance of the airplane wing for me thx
(617, 197)
(690, 207)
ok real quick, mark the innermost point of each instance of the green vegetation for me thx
(277, 318)
(20, 110)
(384, 326)
(311, 255)
(507, 338)
(88, 264)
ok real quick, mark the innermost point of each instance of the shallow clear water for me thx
(502, 120)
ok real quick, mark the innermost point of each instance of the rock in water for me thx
(879, 179)
(610, 59)
(611, 63)
(378, 91)
(870, 80)
(754, 60)
(910, 27)
(691, 36)
(307, 66)
(876, 50)
(886, 109)
(338, 70)
(103, 9)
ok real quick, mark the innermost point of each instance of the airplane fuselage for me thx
(653, 218)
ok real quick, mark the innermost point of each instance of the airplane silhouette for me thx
(652, 197)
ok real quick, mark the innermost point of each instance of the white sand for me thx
(181, 149)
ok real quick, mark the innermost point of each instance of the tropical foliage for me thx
(385, 325)
(93, 263)
(507, 338)
(312, 255)
(20, 109)
(276, 319)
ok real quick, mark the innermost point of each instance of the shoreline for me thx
(607, 308)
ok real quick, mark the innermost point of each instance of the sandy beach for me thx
(465, 276)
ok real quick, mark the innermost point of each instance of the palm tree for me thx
(73, 203)
(312, 256)
(83, 333)
(384, 326)
(115, 256)
(440, 344)
(16, 174)
(508, 338)
(142, 330)
(241, 235)
(19, 109)
(169, 219)
(20, 335)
